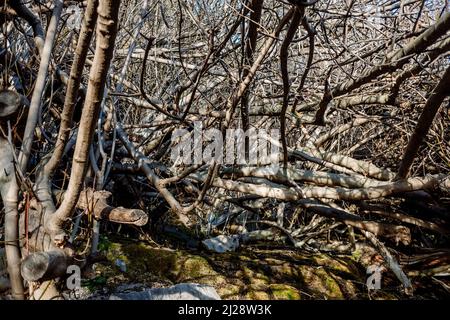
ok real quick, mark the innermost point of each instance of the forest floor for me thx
(250, 273)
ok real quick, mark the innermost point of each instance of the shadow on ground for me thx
(247, 274)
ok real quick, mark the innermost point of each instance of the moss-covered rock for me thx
(252, 274)
(192, 268)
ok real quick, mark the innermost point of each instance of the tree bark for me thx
(76, 72)
(107, 23)
(9, 190)
(44, 173)
(250, 48)
(96, 203)
(42, 266)
(35, 105)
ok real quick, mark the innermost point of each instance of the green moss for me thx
(230, 291)
(284, 292)
(95, 283)
(356, 255)
(143, 263)
(252, 277)
(192, 268)
(332, 263)
(143, 258)
(330, 286)
(104, 243)
(320, 284)
(256, 274)
(257, 295)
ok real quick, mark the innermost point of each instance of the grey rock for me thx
(181, 291)
(222, 243)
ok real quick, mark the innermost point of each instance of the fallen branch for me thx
(315, 177)
(391, 262)
(372, 209)
(96, 202)
(385, 230)
(43, 266)
(338, 193)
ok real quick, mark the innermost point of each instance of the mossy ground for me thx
(251, 273)
(247, 274)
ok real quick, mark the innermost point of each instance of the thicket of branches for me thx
(92, 92)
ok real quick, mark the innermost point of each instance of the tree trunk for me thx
(108, 12)
(9, 190)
